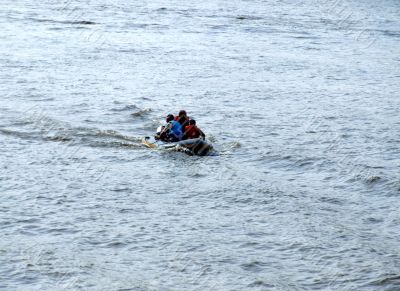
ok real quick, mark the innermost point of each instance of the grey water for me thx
(299, 98)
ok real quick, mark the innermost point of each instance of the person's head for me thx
(182, 113)
(169, 118)
(192, 122)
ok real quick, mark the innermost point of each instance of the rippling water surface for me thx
(300, 99)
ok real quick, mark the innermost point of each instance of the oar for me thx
(149, 144)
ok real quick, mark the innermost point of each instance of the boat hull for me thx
(196, 146)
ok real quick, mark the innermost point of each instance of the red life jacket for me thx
(191, 131)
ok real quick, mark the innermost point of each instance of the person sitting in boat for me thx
(182, 118)
(172, 131)
(192, 131)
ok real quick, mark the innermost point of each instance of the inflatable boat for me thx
(196, 146)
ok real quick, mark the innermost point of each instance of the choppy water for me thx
(300, 98)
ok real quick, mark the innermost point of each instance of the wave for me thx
(45, 128)
(137, 112)
(114, 144)
(247, 17)
(389, 280)
(70, 22)
(228, 147)
(141, 112)
(123, 107)
(18, 134)
(152, 125)
(115, 134)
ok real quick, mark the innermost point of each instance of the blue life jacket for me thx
(175, 132)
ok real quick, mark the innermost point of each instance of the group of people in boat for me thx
(180, 127)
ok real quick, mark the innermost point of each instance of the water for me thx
(299, 98)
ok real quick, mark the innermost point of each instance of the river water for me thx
(299, 98)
